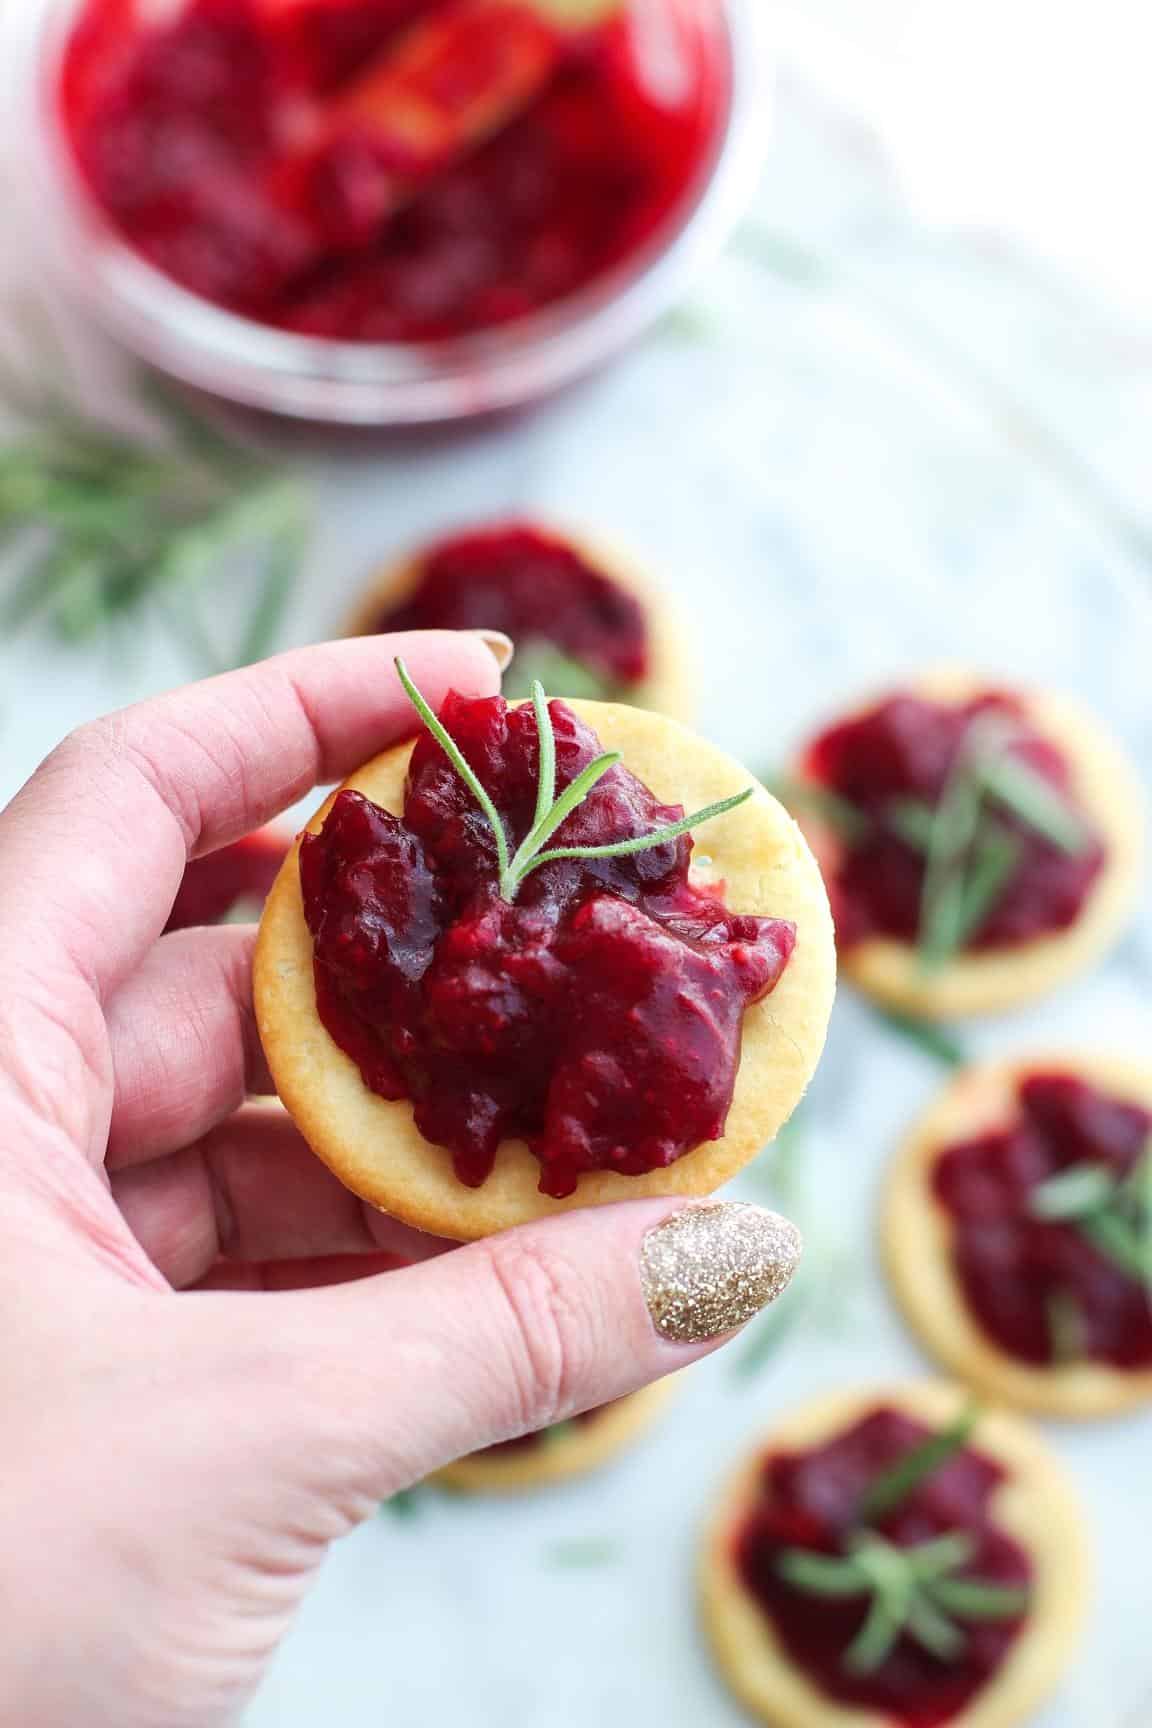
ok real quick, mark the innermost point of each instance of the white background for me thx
(885, 440)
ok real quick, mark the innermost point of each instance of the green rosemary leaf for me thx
(941, 1554)
(965, 899)
(589, 1551)
(822, 1574)
(891, 1582)
(285, 555)
(912, 820)
(935, 1041)
(1073, 1193)
(643, 842)
(1120, 1240)
(528, 855)
(766, 1334)
(546, 744)
(1018, 787)
(406, 1503)
(540, 662)
(894, 1485)
(932, 1629)
(558, 1433)
(838, 813)
(978, 1599)
(456, 756)
(1065, 1319)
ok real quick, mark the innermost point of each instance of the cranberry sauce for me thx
(598, 1017)
(537, 589)
(905, 748)
(222, 885)
(258, 153)
(1017, 1269)
(811, 1501)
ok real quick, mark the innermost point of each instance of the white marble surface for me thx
(889, 447)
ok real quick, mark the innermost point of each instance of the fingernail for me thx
(500, 647)
(708, 1269)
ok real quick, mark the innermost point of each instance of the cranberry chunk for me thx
(598, 1017)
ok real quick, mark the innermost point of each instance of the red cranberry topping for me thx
(534, 587)
(811, 1500)
(189, 131)
(1014, 1267)
(905, 748)
(599, 1017)
(221, 884)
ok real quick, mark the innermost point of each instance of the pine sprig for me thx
(551, 811)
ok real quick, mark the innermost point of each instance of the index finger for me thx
(93, 848)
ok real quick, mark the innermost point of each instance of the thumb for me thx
(411, 1369)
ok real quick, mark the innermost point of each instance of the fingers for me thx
(253, 1192)
(511, 1334)
(185, 1049)
(93, 848)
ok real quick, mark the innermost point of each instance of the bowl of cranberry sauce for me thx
(392, 211)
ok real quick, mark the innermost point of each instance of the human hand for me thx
(211, 1367)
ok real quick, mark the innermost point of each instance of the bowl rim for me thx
(358, 383)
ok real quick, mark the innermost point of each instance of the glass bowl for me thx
(362, 383)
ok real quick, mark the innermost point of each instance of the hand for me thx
(208, 1371)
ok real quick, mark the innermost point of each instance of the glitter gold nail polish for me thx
(708, 1269)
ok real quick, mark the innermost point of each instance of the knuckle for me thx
(545, 1329)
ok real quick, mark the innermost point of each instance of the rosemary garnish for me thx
(406, 1503)
(935, 1041)
(969, 853)
(1114, 1212)
(916, 1592)
(551, 811)
(541, 662)
(104, 521)
(888, 1490)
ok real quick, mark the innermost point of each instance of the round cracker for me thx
(373, 1144)
(1037, 1505)
(916, 1234)
(669, 686)
(578, 1450)
(996, 980)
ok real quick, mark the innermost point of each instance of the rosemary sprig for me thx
(406, 1503)
(541, 662)
(105, 522)
(935, 1041)
(893, 1486)
(969, 854)
(915, 1592)
(551, 811)
(1114, 1212)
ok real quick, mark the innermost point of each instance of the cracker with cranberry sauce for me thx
(982, 845)
(496, 978)
(586, 622)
